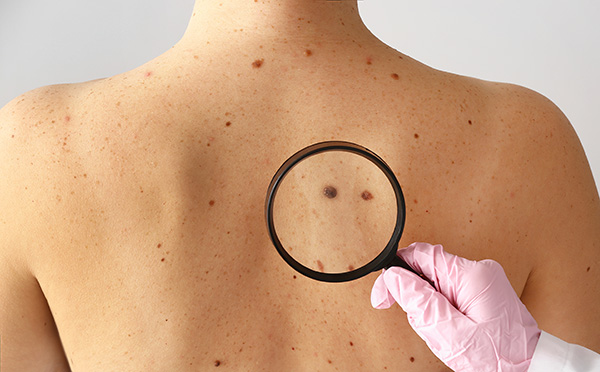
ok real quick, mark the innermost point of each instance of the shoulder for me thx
(25, 318)
(557, 207)
(33, 128)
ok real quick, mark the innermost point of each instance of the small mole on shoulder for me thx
(412, 359)
(395, 76)
(258, 63)
(217, 363)
(366, 195)
(308, 52)
(211, 203)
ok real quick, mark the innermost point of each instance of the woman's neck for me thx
(275, 21)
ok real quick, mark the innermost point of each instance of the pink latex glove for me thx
(474, 322)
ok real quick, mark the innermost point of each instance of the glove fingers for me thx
(431, 315)
(422, 303)
(381, 298)
(441, 267)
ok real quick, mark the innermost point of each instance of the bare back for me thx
(136, 202)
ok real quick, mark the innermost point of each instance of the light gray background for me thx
(552, 47)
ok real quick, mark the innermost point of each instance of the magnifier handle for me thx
(399, 262)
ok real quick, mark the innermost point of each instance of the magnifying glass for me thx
(335, 212)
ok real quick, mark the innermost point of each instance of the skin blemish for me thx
(162, 259)
(470, 122)
(258, 63)
(588, 269)
(217, 363)
(67, 119)
(228, 124)
(351, 343)
(350, 268)
(211, 203)
(330, 192)
(416, 135)
(395, 76)
(320, 265)
(308, 52)
(148, 74)
(159, 245)
(294, 276)
(412, 359)
(366, 195)
(369, 60)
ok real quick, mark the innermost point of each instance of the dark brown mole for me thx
(228, 124)
(351, 343)
(470, 122)
(217, 363)
(366, 195)
(416, 135)
(258, 63)
(159, 245)
(330, 192)
(589, 268)
(412, 359)
(308, 52)
(211, 203)
(395, 76)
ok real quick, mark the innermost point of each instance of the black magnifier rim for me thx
(387, 254)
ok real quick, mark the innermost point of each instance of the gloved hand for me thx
(473, 322)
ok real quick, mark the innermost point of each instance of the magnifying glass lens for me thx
(334, 211)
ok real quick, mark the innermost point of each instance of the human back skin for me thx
(132, 224)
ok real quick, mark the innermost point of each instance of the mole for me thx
(217, 363)
(589, 268)
(321, 266)
(330, 192)
(395, 76)
(228, 124)
(366, 195)
(308, 52)
(416, 135)
(258, 63)
(412, 359)
(211, 203)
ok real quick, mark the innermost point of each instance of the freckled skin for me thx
(102, 274)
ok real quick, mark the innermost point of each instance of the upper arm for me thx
(28, 335)
(562, 210)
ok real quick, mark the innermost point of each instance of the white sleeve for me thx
(554, 355)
